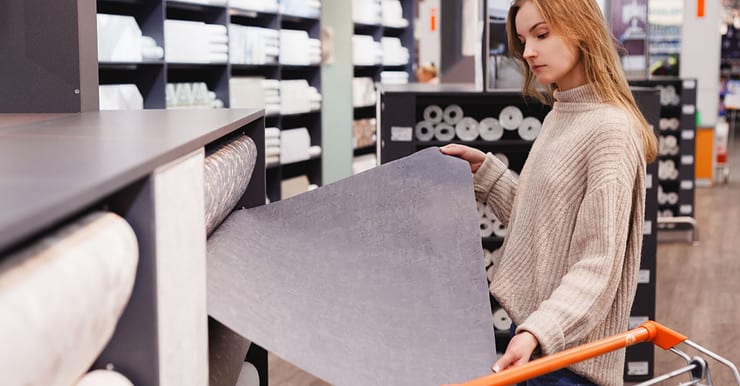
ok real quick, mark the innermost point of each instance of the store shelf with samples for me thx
(505, 124)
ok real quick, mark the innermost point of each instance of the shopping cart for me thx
(696, 367)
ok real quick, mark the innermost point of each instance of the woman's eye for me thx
(542, 35)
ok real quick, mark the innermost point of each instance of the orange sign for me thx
(699, 8)
(433, 20)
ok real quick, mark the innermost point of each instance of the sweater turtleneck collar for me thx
(576, 96)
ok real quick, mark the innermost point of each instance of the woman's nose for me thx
(529, 52)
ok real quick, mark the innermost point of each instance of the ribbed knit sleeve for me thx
(494, 184)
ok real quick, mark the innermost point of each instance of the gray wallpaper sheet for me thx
(373, 280)
(228, 169)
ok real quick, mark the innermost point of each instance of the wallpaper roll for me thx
(499, 229)
(228, 169)
(501, 320)
(444, 132)
(486, 227)
(61, 299)
(453, 114)
(529, 129)
(467, 129)
(490, 129)
(433, 114)
(510, 118)
(504, 159)
(104, 378)
(424, 131)
(375, 279)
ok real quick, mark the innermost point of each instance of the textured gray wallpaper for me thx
(376, 279)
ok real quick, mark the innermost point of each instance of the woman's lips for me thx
(537, 67)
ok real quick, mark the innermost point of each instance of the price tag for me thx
(686, 209)
(649, 181)
(689, 84)
(689, 109)
(687, 184)
(647, 229)
(687, 159)
(637, 368)
(643, 276)
(687, 134)
(402, 134)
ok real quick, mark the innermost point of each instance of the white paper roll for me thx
(424, 131)
(486, 227)
(510, 117)
(467, 129)
(444, 132)
(104, 378)
(433, 113)
(503, 158)
(490, 129)
(530, 128)
(453, 114)
(501, 320)
(499, 229)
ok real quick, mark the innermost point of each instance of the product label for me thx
(649, 181)
(689, 84)
(643, 276)
(647, 229)
(689, 109)
(686, 209)
(638, 368)
(687, 159)
(687, 134)
(687, 184)
(402, 134)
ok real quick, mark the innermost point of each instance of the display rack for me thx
(402, 108)
(676, 151)
(151, 77)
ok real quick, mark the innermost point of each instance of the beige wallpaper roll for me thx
(60, 300)
(228, 169)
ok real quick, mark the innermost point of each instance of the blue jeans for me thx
(562, 377)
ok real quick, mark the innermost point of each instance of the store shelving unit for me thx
(151, 77)
(403, 107)
(677, 124)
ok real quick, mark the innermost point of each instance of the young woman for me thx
(567, 273)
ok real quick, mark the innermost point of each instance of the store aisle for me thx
(698, 288)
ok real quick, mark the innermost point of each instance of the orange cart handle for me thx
(647, 332)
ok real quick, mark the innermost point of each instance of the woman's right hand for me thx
(474, 157)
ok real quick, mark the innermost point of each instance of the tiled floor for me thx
(698, 287)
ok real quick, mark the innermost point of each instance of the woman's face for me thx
(551, 57)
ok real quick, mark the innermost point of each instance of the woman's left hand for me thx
(518, 352)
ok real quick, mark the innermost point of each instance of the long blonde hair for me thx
(581, 22)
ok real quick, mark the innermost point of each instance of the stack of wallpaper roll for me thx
(363, 92)
(253, 45)
(394, 53)
(61, 298)
(120, 97)
(366, 51)
(394, 77)
(363, 132)
(666, 198)
(367, 12)
(191, 95)
(489, 224)
(303, 8)
(669, 96)
(195, 42)
(255, 92)
(255, 5)
(272, 145)
(392, 13)
(444, 124)
(667, 170)
(297, 96)
(667, 145)
(364, 162)
(667, 124)
(298, 49)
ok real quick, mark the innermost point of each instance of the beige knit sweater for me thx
(568, 269)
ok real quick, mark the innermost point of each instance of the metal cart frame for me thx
(650, 331)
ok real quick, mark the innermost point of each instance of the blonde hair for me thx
(581, 22)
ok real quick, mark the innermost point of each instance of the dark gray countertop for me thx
(422, 88)
(53, 165)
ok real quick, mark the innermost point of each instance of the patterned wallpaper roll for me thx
(228, 169)
(60, 300)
